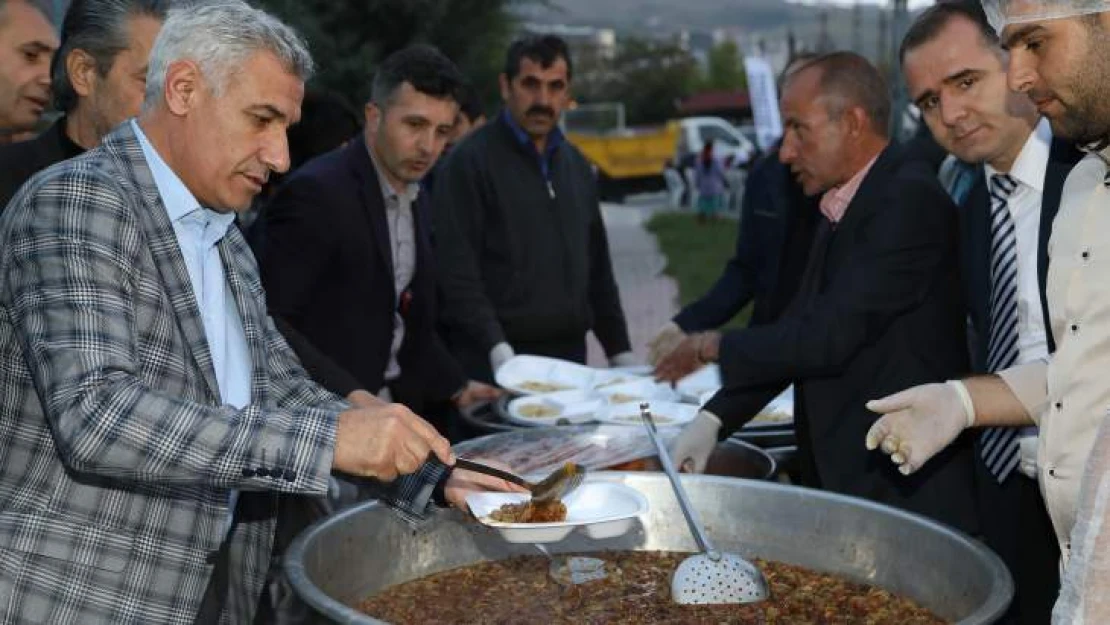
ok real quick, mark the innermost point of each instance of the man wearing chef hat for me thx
(1059, 58)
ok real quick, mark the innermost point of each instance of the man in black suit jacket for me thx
(956, 75)
(348, 262)
(97, 76)
(879, 302)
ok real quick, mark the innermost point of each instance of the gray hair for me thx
(100, 29)
(220, 36)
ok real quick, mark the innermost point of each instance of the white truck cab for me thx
(728, 140)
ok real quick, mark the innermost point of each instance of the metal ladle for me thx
(710, 576)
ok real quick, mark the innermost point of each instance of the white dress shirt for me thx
(402, 243)
(1024, 205)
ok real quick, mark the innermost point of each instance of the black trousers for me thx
(1017, 527)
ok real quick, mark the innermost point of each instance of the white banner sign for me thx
(765, 101)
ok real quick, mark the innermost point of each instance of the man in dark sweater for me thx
(97, 76)
(523, 251)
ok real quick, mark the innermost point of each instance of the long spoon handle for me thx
(680, 492)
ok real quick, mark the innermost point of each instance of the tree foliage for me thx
(648, 76)
(349, 37)
(725, 68)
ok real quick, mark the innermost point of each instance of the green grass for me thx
(696, 254)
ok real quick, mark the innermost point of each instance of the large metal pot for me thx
(341, 560)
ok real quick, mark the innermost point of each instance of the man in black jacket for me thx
(348, 261)
(524, 253)
(879, 302)
(956, 73)
(97, 76)
(772, 241)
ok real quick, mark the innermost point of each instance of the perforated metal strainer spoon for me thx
(710, 576)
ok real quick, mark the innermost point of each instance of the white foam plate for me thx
(778, 413)
(570, 407)
(699, 383)
(665, 413)
(535, 375)
(596, 508)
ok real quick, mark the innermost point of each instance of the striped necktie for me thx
(999, 446)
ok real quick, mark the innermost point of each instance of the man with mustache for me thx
(98, 76)
(878, 303)
(151, 413)
(525, 257)
(956, 75)
(354, 227)
(1059, 55)
(27, 39)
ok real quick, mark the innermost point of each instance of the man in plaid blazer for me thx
(121, 454)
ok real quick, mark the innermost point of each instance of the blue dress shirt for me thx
(198, 231)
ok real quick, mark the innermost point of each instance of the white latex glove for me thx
(624, 359)
(666, 339)
(919, 422)
(498, 355)
(691, 449)
(1027, 464)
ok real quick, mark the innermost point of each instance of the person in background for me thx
(27, 40)
(472, 115)
(522, 247)
(878, 303)
(956, 75)
(151, 412)
(772, 245)
(98, 75)
(354, 226)
(711, 183)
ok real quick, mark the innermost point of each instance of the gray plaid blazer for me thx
(116, 455)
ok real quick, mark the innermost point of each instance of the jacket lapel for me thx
(165, 251)
(241, 273)
(371, 191)
(866, 200)
(1061, 158)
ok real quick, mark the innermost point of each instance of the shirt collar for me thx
(1031, 164)
(178, 200)
(554, 138)
(834, 203)
(389, 194)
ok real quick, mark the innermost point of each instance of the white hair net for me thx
(1002, 13)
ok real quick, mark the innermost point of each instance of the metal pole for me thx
(898, 25)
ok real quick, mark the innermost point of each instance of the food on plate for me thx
(636, 589)
(617, 380)
(775, 416)
(538, 411)
(622, 398)
(531, 512)
(534, 386)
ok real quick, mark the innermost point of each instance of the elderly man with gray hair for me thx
(97, 78)
(151, 413)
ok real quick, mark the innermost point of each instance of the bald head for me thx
(846, 80)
